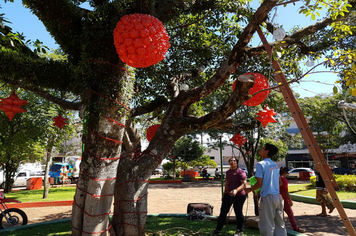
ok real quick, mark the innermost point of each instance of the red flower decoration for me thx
(140, 40)
(11, 105)
(238, 139)
(59, 121)
(260, 83)
(266, 116)
(151, 132)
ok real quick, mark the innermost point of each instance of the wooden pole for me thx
(313, 147)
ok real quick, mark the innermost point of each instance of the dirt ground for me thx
(174, 198)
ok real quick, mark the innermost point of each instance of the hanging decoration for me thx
(261, 83)
(266, 116)
(279, 34)
(140, 40)
(59, 121)
(309, 63)
(151, 132)
(11, 105)
(238, 139)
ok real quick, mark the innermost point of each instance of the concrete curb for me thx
(311, 200)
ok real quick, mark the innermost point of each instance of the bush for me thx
(345, 182)
(313, 181)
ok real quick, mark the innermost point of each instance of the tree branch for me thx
(46, 95)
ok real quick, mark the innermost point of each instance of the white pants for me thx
(271, 216)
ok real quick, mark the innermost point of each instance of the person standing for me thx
(271, 205)
(322, 196)
(235, 195)
(288, 201)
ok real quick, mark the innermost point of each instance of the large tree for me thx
(209, 49)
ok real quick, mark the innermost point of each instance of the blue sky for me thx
(28, 24)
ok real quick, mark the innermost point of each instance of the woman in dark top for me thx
(235, 195)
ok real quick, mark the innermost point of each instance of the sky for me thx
(318, 83)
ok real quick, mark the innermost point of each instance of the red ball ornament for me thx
(140, 40)
(266, 116)
(238, 139)
(11, 105)
(59, 121)
(151, 132)
(261, 83)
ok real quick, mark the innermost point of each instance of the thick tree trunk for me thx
(135, 169)
(103, 142)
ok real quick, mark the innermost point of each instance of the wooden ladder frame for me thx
(309, 139)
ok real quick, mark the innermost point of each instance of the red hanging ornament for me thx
(11, 105)
(59, 121)
(151, 132)
(266, 116)
(238, 139)
(140, 40)
(261, 83)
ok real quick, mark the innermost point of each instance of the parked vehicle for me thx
(62, 171)
(10, 217)
(295, 172)
(74, 161)
(341, 171)
(22, 176)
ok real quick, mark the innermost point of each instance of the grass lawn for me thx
(162, 226)
(307, 190)
(54, 194)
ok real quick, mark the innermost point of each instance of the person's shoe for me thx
(300, 230)
(331, 210)
(216, 231)
(238, 233)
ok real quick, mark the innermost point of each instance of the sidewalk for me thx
(174, 198)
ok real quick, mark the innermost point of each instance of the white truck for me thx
(22, 176)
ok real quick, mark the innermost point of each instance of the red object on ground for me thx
(238, 139)
(59, 121)
(261, 83)
(151, 132)
(11, 105)
(140, 40)
(34, 183)
(266, 116)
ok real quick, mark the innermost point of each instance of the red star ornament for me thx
(238, 139)
(266, 116)
(11, 105)
(59, 121)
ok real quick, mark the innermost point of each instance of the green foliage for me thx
(345, 182)
(186, 149)
(25, 138)
(204, 160)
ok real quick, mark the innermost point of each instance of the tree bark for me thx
(48, 164)
(103, 142)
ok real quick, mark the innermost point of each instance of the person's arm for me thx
(240, 188)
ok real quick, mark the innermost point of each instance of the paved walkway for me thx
(174, 198)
